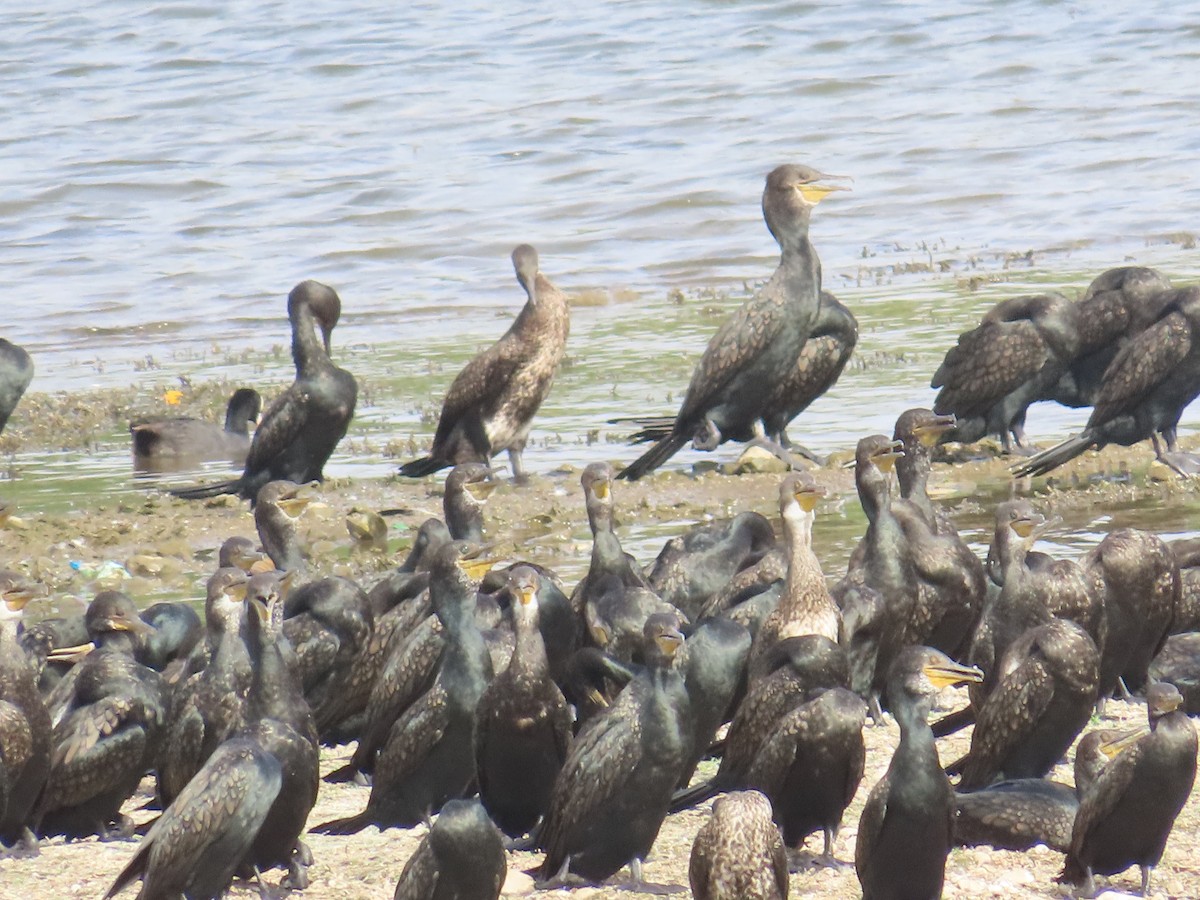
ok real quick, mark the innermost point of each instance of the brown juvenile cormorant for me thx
(16, 371)
(164, 439)
(301, 428)
(523, 724)
(108, 738)
(1011, 360)
(1117, 305)
(614, 789)
(1124, 819)
(738, 853)
(907, 826)
(1045, 691)
(491, 403)
(462, 858)
(25, 737)
(805, 606)
(1144, 392)
(429, 754)
(726, 399)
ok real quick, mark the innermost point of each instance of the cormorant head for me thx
(663, 639)
(525, 263)
(322, 301)
(789, 196)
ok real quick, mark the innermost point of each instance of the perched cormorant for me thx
(16, 371)
(738, 853)
(714, 673)
(907, 826)
(162, 438)
(762, 339)
(523, 725)
(1011, 360)
(462, 858)
(491, 403)
(25, 738)
(614, 789)
(1179, 663)
(467, 488)
(1145, 389)
(301, 428)
(1124, 819)
(109, 736)
(177, 632)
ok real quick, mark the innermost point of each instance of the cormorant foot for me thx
(122, 829)
(641, 886)
(525, 843)
(1185, 464)
(26, 847)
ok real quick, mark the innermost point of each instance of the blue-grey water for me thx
(171, 170)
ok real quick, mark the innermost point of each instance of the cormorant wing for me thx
(417, 730)
(479, 385)
(1007, 717)
(315, 646)
(281, 424)
(419, 879)
(986, 364)
(1141, 365)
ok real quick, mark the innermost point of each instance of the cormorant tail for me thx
(955, 721)
(348, 825)
(1048, 460)
(426, 465)
(342, 774)
(204, 491)
(133, 870)
(652, 428)
(694, 796)
(654, 457)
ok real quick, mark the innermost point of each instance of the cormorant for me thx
(467, 488)
(738, 853)
(165, 438)
(109, 736)
(462, 858)
(614, 789)
(714, 673)
(762, 339)
(1179, 663)
(177, 632)
(491, 403)
(907, 826)
(301, 428)
(523, 724)
(1011, 360)
(25, 737)
(16, 371)
(1124, 819)
(1145, 389)
(1016, 815)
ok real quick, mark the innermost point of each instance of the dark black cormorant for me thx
(738, 853)
(429, 754)
(301, 428)
(16, 371)
(907, 826)
(523, 724)
(1045, 691)
(165, 438)
(108, 738)
(462, 858)
(177, 632)
(467, 488)
(714, 673)
(491, 403)
(1124, 819)
(612, 795)
(726, 399)
(25, 737)
(1145, 389)
(1011, 360)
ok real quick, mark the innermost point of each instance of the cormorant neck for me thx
(529, 654)
(308, 350)
(121, 641)
(278, 535)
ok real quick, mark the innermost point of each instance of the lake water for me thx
(170, 171)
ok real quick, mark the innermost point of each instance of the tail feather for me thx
(953, 722)
(204, 491)
(651, 428)
(1054, 457)
(133, 870)
(694, 796)
(426, 465)
(343, 774)
(654, 457)
(348, 825)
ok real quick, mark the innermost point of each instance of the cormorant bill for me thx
(491, 403)
(304, 424)
(762, 339)
(1144, 392)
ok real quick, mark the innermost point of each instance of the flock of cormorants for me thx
(578, 717)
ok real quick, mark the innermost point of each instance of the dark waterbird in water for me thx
(760, 342)
(301, 428)
(491, 403)
(163, 441)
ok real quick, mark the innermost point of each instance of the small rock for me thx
(757, 459)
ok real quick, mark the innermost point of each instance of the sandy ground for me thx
(168, 547)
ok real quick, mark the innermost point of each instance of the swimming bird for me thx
(738, 853)
(762, 340)
(491, 403)
(1144, 391)
(304, 424)
(161, 439)
(16, 371)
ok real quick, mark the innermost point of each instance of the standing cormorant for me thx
(1144, 391)
(164, 440)
(907, 826)
(491, 403)
(738, 854)
(762, 340)
(301, 428)
(1126, 816)
(16, 371)
(462, 858)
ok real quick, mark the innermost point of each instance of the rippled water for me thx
(170, 171)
